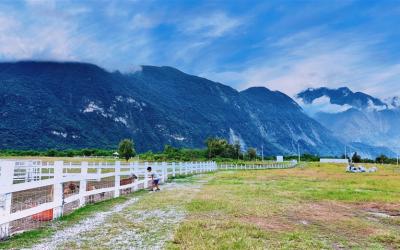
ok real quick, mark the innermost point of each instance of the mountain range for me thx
(58, 105)
(355, 117)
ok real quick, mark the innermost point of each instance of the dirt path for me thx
(146, 222)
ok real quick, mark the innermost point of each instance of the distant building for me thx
(328, 160)
(279, 158)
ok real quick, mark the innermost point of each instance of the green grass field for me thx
(319, 206)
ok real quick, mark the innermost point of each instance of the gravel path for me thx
(124, 227)
(86, 225)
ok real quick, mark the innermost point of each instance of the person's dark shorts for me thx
(155, 182)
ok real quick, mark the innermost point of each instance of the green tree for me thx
(51, 153)
(216, 147)
(382, 159)
(251, 153)
(172, 153)
(356, 158)
(237, 150)
(126, 149)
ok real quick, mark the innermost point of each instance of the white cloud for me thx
(141, 21)
(310, 59)
(393, 102)
(123, 35)
(53, 41)
(41, 3)
(322, 104)
(62, 34)
(214, 25)
(134, 69)
(373, 107)
(7, 23)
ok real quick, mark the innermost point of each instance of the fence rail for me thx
(267, 165)
(34, 192)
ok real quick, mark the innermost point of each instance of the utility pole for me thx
(238, 152)
(262, 152)
(345, 151)
(298, 150)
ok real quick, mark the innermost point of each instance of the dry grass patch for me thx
(323, 211)
(275, 224)
(390, 209)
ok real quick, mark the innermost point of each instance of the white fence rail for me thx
(36, 191)
(330, 160)
(267, 165)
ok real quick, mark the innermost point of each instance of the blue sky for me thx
(283, 45)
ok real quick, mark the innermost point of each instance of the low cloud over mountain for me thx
(354, 116)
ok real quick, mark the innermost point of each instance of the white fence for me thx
(267, 165)
(35, 191)
(328, 160)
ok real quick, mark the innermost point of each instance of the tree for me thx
(382, 159)
(126, 149)
(236, 147)
(51, 152)
(216, 147)
(356, 158)
(252, 153)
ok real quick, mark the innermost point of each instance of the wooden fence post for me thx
(173, 169)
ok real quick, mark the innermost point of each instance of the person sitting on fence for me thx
(155, 179)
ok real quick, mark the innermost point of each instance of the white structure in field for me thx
(279, 158)
(328, 160)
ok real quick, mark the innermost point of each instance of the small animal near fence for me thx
(33, 192)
